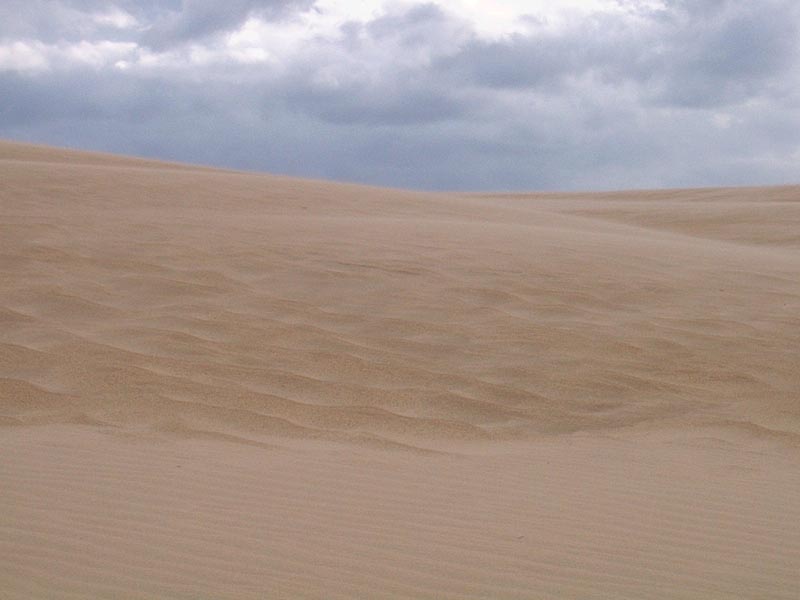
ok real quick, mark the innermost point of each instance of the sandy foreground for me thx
(228, 385)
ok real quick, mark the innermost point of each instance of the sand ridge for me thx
(158, 310)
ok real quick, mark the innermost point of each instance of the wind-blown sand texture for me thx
(228, 385)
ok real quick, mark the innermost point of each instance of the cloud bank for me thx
(424, 95)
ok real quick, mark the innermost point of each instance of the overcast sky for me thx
(463, 94)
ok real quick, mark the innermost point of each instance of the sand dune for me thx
(222, 384)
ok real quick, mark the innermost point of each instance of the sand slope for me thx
(234, 385)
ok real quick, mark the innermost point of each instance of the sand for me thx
(232, 385)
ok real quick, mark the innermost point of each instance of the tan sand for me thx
(229, 385)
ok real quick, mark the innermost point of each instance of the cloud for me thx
(415, 95)
(53, 21)
(698, 54)
(726, 54)
(199, 19)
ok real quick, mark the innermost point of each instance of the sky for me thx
(456, 95)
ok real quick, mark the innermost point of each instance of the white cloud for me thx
(95, 54)
(263, 41)
(36, 56)
(489, 19)
(722, 120)
(23, 56)
(115, 18)
(493, 20)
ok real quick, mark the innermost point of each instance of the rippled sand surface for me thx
(220, 384)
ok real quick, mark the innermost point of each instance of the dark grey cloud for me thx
(198, 19)
(698, 54)
(399, 102)
(690, 93)
(728, 53)
(84, 94)
(419, 25)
